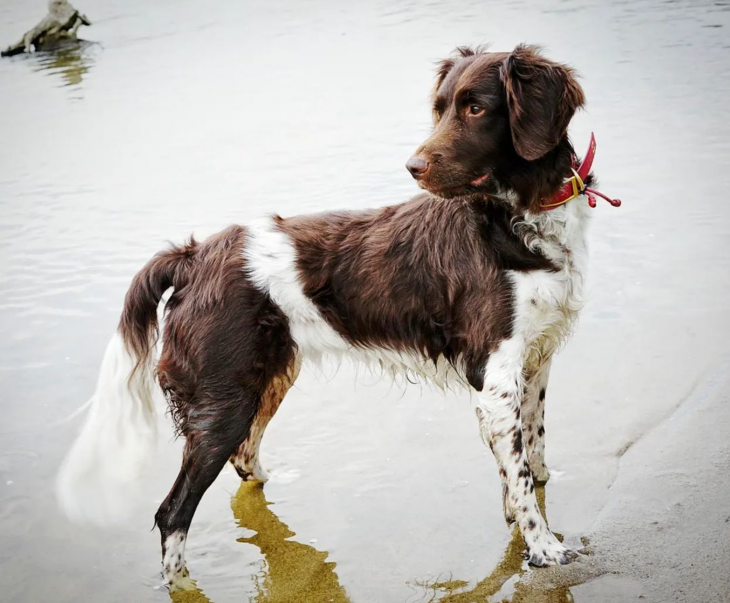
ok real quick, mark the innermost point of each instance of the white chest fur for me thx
(547, 303)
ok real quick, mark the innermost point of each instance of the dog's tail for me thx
(119, 435)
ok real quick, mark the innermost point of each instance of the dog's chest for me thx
(546, 307)
(547, 303)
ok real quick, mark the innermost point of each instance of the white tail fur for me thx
(117, 440)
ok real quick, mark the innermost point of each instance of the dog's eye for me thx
(475, 110)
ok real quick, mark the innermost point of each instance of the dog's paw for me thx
(259, 474)
(181, 582)
(540, 474)
(550, 553)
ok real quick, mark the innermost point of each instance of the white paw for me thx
(259, 474)
(182, 582)
(540, 473)
(255, 474)
(549, 551)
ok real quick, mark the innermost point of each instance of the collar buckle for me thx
(577, 182)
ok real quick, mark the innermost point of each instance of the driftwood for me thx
(57, 28)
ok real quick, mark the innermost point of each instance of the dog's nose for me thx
(417, 166)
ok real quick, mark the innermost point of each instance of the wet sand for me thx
(666, 525)
(379, 493)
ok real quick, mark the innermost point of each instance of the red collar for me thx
(575, 185)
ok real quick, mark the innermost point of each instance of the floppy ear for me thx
(542, 97)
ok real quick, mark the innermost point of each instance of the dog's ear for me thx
(443, 70)
(542, 97)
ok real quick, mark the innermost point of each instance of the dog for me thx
(474, 283)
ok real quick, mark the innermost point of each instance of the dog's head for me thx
(495, 115)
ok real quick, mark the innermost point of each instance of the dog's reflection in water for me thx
(293, 571)
(299, 572)
(503, 581)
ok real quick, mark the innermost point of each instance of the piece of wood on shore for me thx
(57, 28)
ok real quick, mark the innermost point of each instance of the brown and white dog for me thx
(467, 284)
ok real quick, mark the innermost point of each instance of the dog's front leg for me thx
(533, 421)
(498, 410)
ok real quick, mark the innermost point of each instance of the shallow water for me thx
(182, 119)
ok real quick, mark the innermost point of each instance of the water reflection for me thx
(504, 582)
(293, 571)
(71, 62)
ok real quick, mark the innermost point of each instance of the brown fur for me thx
(542, 97)
(224, 344)
(245, 459)
(426, 276)
(520, 140)
(223, 336)
(138, 324)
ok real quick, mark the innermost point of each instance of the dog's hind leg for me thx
(499, 413)
(246, 458)
(533, 421)
(214, 433)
